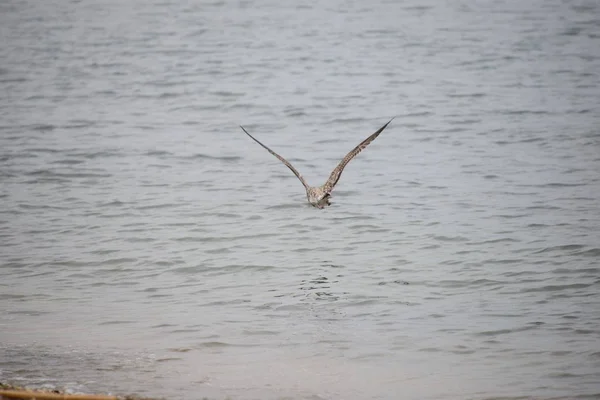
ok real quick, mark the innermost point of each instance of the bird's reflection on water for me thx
(322, 287)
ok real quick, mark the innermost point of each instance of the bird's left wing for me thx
(337, 172)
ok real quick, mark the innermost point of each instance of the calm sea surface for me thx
(147, 245)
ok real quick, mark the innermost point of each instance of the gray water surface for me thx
(149, 246)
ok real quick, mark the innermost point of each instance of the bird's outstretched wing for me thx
(337, 172)
(283, 160)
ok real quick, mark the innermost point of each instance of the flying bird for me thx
(319, 196)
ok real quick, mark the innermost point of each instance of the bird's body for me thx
(319, 196)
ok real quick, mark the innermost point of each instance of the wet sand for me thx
(8, 391)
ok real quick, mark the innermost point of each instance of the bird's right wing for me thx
(283, 160)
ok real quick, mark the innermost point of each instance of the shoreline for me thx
(9, 391)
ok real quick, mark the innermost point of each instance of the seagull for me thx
(319, 196)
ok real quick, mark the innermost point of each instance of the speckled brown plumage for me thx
(319, 196)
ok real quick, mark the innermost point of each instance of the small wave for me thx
(342, 121)
(118, 215)
(68, 162)
(162, 326)
(467, 95)
(532, 140)
(491, 241)
(326, 141)
(158, 153)
(524, 112)
(114, 203)
(31, 313)
(168, 95)
(576, 271)
(118, 261)
(416, 114)
(244, 106)
(566, 247)
(543, 208)
(595, 252)
(53, 174)
(11, 296)
(212, 239)
(41, 207)
(557, 185)
(538, 226)
(13, 80)
(158, 206)
(369, 228)
(506, 331)
(188, 270)
(165, 359)
(453, 283)
(43, 127)
(573, 170)
(200, 156)
(430, 349)
(9, 157)
(221, 250)
(104, 252)
(78, 124)
(180, 349)
(295, 114)
(511, 216)
(556, 288)
(504, 261)
(572, 31)
(352, 218)
(443, 238)
(288, 206)
(511, 274)
(464, 122)
(96, 154)
(42, 150)
(225, 93)
(216, 344)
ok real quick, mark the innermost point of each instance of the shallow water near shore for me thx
(149, 246)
